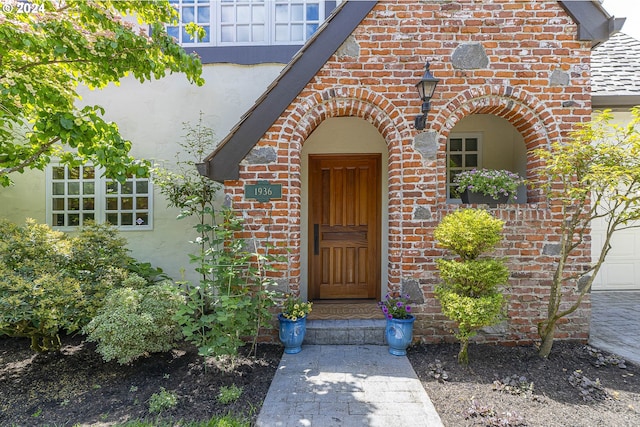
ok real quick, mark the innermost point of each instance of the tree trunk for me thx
(547, 338)
(463, 355)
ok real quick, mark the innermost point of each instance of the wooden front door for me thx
(344, 226)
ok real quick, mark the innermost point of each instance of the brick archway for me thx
(308, 113)
(525, 112)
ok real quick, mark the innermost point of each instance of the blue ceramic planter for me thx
(292, 333)
(399, 333)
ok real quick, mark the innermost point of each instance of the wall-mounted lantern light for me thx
(426, 87)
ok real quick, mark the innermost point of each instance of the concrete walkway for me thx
(615, 323)
(346, 385)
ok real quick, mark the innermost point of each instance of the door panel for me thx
(344, 223)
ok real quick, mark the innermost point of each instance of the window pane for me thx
(243, 34)
(127, 188)
(455, 160)
(58, 188)
(282, 33)
(226, 34)
(173, 32)
(297, 12)
(88, 204)
(112, 187)
(226, 14)
(187, 14)
(142, 219)
(203, 15)
(243, 14)
(74, 173)
(142, 187)
(112, 218)
(89, 172)
(88, 217)
(311, 28)
(257, 14)
(58, 220)
(126, 219)
(313, 12)
(88, 188)
(282, 13)
(455, 145)
(74, 188)
(74, 219)
(73, 204)
(471, 144)
(58, 172)
(186, 37)
(112, 203)
(142, 203)
(58, 204)
(207, 37)
(297, 33)
(257, 33)
(471, 160)
(126, 203)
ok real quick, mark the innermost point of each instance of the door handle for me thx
(316, 239)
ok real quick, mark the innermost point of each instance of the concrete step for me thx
(346, 332)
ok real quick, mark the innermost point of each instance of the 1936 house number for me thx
(263, 191)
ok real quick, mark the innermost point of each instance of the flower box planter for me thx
(480, 198)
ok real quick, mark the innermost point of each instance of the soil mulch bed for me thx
(511, 386)
(503, 386)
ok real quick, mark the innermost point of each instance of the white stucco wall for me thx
(151, 115)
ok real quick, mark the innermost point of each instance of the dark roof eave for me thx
(223, 163)
(614, 101)
(593, 21)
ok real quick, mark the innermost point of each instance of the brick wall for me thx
(516, 60)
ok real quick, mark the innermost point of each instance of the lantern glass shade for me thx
(427, 85)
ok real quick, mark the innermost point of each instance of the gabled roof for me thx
(615, 72)
(223, 163)
(594, 24)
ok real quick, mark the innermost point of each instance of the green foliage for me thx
(136, 320)
(229, 394)
(46, 56)
(593, 176)
(162, 401)
(38, 308)
(475, 278)
(231, 301)
(469, 293)
(469, 232)
(50, 281)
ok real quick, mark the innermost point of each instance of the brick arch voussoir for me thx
(524, 111)
(346, 102)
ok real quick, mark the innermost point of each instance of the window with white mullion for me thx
(199, 11)
(296, 20)
(464, 152)
(243, 22)
(78, 194)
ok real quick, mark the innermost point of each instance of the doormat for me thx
(345, 311)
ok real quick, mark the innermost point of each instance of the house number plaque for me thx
(263, 191)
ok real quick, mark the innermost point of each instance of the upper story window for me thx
(78, 194)
(248, 22)
(464, 152)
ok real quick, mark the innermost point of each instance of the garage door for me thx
(621, 270)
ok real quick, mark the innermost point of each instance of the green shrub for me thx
(136, 320)
(469, 293)
(163, 400)
(50, 281)
(39, 308)
(229, 394)
(469, 232)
